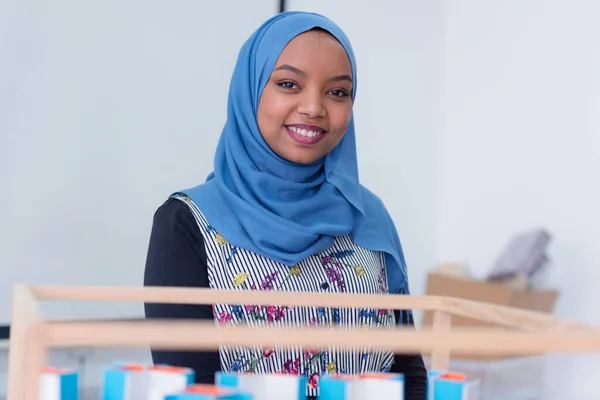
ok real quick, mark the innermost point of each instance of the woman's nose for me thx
(311, 105)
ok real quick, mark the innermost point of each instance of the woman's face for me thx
(306, 105)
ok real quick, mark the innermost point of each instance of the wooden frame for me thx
(31, 335)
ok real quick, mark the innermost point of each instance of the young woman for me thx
(284, 210)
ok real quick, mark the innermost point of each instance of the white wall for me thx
(399, 51)
(521, 148)
(106, 108)
(130, 77)
(146, 84)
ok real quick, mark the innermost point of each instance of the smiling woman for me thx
(284, 210)
(306, 105)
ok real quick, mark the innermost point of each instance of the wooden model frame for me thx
(31, 336)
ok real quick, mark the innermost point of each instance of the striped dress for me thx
(344, 268)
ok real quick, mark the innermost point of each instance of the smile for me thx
(305, 134)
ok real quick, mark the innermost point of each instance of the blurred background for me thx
(477, 121)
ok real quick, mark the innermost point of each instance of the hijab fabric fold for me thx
(282, 210)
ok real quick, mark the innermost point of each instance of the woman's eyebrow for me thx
(288, 67)
(341, 78)
(298, 71)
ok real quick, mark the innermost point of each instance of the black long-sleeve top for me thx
(177, 257)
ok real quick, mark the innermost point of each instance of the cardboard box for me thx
(486, 292)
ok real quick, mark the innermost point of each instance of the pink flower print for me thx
(268, 352)
(381, 282)
(275, 313)
(332, 272)
(313, 321)
(255, 313)
(253, 286)
(313, 380)
(224, 318)
(267, 283)
(384, 316)
(290, 367)
(309, 353)
(334, 276)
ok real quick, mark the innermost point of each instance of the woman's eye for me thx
(287, 85)
(339, 93)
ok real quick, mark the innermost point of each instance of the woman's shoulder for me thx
(176, 215)
(176, 254)
(173, 209)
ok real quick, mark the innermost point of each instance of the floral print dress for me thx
(344, 268)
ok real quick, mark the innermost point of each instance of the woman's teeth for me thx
(303, 132)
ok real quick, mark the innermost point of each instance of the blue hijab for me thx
(282, 210)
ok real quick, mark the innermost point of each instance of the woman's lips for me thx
(305, 134)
